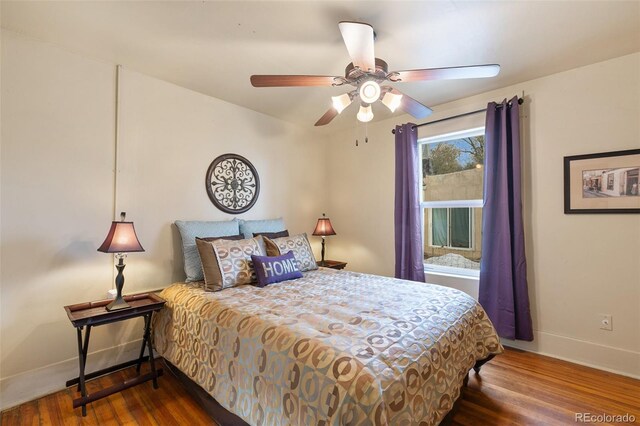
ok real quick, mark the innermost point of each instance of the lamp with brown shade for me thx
(323, 229)
(121, 239)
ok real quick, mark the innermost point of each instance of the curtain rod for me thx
(520, 102)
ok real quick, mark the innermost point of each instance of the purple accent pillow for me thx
(273, 269)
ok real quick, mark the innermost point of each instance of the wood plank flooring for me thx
(523, 388)
(515, 388)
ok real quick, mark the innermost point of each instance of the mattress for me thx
(331, 348)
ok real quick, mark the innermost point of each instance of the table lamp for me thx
(121, 239)
(323, 229)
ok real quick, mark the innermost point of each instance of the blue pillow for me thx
(189, 230)
(274, 269)
(250, 227)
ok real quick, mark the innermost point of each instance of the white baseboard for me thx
(590, 354)
(32, 384)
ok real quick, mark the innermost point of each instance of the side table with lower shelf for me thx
(93, 314)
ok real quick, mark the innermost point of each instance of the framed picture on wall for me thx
(605, 182)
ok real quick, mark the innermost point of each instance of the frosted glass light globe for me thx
(365, 114)
(369, 91)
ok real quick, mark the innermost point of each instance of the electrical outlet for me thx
(111, 294)
(606, 322)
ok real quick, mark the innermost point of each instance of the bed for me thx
(334, 347)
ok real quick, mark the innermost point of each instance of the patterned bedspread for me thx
(331, 348)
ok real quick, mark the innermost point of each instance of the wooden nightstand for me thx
(333, 264)
(92, 314)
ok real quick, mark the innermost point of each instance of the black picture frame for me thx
(592, 180)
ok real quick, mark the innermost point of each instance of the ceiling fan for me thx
(369, 76)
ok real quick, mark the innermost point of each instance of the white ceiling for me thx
(213, 47)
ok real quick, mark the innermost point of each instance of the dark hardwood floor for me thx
(514, 388)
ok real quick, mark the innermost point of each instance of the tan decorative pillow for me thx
(298, 244)
(228, 263)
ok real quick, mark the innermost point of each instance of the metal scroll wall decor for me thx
(232, 183)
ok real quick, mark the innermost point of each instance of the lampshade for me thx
(323, 227)
(392, 101)
(369, 91)
(121, 238)
(341, 102)
(365, 114)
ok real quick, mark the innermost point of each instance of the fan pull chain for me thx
(366, 133)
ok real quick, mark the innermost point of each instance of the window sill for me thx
(467, 274)
(463, 282)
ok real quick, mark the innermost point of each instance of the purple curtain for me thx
(407, 217)
(503, 270)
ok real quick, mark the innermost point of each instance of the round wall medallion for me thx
(232, 183)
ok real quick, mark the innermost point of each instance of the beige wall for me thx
(462, 185)
(589, 109)
(168, 138)
(58, 196)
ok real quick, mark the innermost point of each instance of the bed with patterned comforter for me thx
(331, 348)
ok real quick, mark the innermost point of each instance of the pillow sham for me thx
(226, 237)
(248, 227)
(272, 235)
(299, 245)
(189, 230)
(227, 263)
(271, 270)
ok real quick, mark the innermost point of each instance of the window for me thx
(451, 228)
(452, 191)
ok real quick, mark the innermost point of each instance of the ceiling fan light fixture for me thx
(369, 91)
(341, 102)
(392, 101)
(366, 73)
(365, 114)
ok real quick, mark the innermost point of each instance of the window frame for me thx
(439, 269)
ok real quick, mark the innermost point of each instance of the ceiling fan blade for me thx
(294, 80)
(411, 106)
(471, 71)
(358, 37)
(327, 117)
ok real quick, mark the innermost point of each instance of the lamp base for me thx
(322, 261)
(118, 303)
